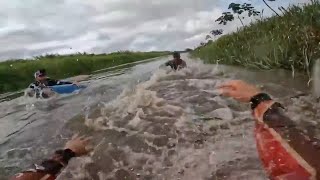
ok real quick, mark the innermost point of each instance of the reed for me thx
(18, 74)
(290, 41)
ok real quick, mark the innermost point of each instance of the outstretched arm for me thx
(50, 168)
(303, 147)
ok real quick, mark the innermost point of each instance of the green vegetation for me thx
(18, 74)
(290, 41)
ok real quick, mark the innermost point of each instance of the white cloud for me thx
(197, 37)
(69, 26)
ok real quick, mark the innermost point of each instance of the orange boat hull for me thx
(279, 163)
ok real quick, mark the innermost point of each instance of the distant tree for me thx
(216, 32)
(50, 55)
(237, 10)
(226, 16)
(188, 50)
(210, 41)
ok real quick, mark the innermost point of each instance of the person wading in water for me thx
(177, 63)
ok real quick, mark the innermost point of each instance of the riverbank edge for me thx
(18, 74)
(290, 41)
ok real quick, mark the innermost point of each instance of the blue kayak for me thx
(66, 89)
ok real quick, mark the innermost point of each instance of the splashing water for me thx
(172, 126)
(159, 124)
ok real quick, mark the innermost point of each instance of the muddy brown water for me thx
(151, 123)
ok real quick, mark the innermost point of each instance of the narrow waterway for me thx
(152, 123)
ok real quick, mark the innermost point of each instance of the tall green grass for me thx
(18, 74)
(289, 42)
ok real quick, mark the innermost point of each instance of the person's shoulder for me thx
(184, 62)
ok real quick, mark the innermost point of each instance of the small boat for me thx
(66, 89)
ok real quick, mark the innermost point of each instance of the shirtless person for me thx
(177, 63)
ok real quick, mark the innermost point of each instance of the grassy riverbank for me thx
(18, 74)
(289, 42)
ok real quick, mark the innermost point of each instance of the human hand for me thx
(239, 90)
(79, 145)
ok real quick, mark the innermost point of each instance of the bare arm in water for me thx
(303, 147)
(49, 169)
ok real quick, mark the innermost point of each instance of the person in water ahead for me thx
(177, 63)
(41, 82)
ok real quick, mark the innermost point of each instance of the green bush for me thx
(289, 42)
(18, 74)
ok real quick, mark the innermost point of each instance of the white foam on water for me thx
(136, 120)
(75, 166)
(163, 140)
(222, 113)
(163, 125)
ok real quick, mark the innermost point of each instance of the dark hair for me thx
(43, 71)
(176, 55)
(40, 73)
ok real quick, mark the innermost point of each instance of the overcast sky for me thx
(35, 27)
